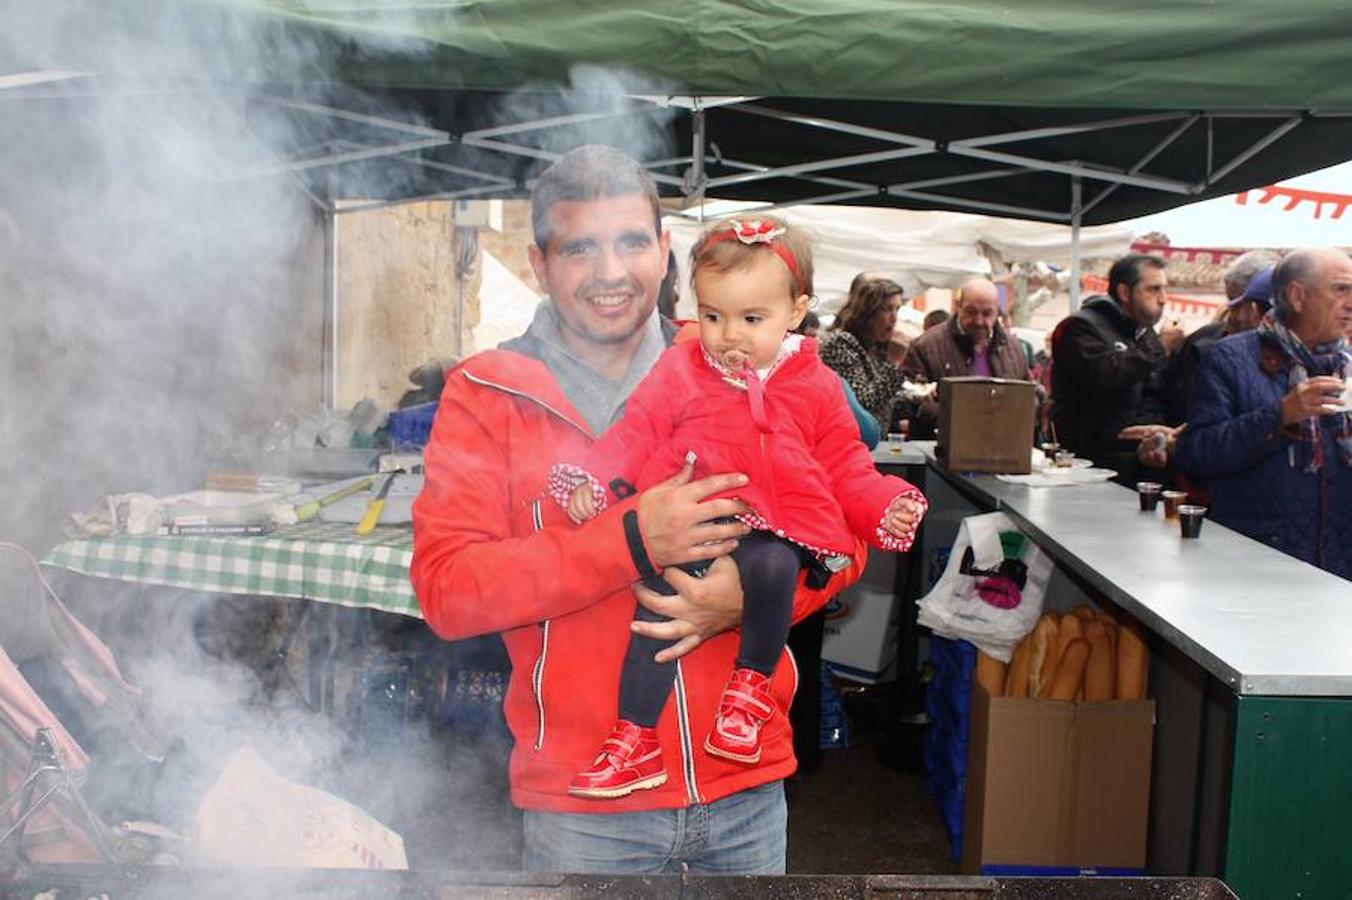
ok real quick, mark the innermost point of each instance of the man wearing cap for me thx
(1269, 427)
(1248, 292)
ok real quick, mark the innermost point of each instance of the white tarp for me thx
(918, 249)
(1291, 216)
(506, 305)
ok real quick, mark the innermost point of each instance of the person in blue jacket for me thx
(1269, 426)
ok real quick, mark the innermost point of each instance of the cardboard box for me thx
(986, 425)
(1055, 785)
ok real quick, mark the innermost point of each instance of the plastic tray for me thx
(220, 508)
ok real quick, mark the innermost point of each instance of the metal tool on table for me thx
(376, 506)
(308, 511)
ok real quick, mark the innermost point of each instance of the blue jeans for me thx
(742, 834)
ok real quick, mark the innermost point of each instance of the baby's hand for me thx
(902, 517)
(581, 504)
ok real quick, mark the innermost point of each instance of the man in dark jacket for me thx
(970, 343)
(1109, 371)
(1269, 428)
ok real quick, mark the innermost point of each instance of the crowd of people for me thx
(1247, 414)
(670, 497)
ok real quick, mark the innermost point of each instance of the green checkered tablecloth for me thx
(317, 560)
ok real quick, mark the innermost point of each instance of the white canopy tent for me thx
(917, 249)
(1309, 210)
(506, 305)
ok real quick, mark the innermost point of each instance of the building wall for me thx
(401, 300)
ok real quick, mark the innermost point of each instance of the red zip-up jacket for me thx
(491, 553)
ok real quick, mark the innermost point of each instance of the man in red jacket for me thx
(492, 554)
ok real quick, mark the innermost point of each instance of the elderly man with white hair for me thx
(1269, 425)
(972, 342)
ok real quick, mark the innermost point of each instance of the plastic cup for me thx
(1172, 499)
(894, 441)
(1063, 459)
(1345, 402)
(1149, 494)
(1190, 519)
(1049, 449)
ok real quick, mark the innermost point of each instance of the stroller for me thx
(52, 810)
(77, 755)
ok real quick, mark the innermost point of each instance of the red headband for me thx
(758, 231)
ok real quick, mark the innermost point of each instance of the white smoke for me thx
(162, 294)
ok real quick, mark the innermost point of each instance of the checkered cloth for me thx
(317, 560)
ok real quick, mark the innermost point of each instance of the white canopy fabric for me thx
(506, 305)
(1289, 214)
(917, 249)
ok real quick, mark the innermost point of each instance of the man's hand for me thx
(1156, 447)
(702, 608)
(676, 524)
(1172, 336)
(1317, 396)
(1142, 432)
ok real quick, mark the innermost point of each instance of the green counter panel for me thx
(1290, 832)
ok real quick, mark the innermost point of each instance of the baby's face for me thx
(745, 313)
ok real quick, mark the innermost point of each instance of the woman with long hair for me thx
(856, 344)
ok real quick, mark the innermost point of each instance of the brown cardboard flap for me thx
(974, 801)
(1111, 784)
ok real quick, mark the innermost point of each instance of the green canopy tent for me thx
(1045, 109)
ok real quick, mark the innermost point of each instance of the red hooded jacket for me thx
(491, 553)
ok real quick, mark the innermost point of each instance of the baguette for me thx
(990, 674)
(1042, 659)
(1100, 675)
(1070, 629)
(1113, 628)
(1070, 671)
(1133, 662)
(1016, 682)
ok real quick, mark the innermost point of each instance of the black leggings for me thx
(768, 567)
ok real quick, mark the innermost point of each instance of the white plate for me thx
(1090, 475)
(1076, 465)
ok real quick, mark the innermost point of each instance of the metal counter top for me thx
(1262, 622)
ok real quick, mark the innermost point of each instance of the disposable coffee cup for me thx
(1149, 494)
(1190, 519)
(1172, 499)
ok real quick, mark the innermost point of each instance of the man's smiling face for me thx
(602, 268)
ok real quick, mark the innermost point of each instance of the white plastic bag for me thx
(977, 607)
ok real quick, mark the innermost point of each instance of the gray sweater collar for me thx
(598, 399)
